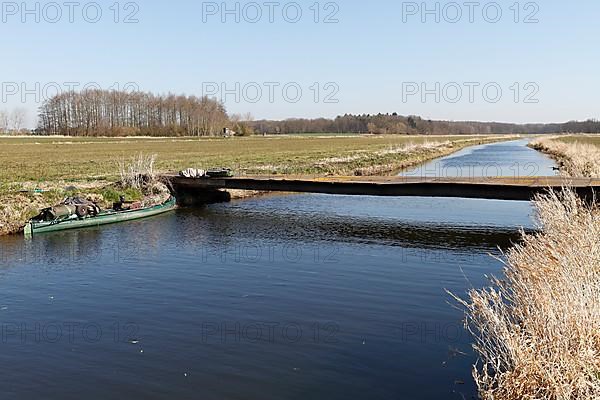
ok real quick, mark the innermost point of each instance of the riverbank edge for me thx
(577, 160)
(540, 145)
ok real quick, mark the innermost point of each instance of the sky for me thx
(489, 61)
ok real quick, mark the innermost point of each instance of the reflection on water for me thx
(295, 296)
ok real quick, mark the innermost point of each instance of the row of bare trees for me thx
(13, 122)
(118, 113)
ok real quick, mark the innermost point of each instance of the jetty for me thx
(493, 188)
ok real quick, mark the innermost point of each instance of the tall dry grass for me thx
(17, 208)
(12, 216)
(137, 171)
(576, 159)
(537, 330)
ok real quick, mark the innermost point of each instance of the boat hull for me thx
(33, 227)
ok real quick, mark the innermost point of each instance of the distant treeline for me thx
(114, 113)
(117, 113)
(413, 125)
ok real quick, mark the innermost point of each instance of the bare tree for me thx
(4, 122)
(113, 113)
(17, 119)
(248, 117)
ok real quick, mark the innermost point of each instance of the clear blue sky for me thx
(372, 56)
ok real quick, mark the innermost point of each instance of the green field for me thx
(49, 159)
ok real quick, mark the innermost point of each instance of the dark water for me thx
(283, 297)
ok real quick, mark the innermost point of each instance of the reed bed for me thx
(138, 171)
(576, 159)
(537, 330)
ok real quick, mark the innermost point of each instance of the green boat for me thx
(37, 226)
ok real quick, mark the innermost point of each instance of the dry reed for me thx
(16, 209)
(138, 171)
(576, 159)
(537, 330)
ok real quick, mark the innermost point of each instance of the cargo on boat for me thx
(73, 215)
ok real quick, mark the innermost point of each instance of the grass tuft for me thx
(137, 172)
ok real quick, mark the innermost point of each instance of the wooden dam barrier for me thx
(193, 190)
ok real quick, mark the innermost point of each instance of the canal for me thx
(279, 297)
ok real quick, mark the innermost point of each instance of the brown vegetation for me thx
(576, 159)
(136, 172)
(537, 330)
(16, 209)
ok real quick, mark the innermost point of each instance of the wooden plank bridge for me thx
(497, 188)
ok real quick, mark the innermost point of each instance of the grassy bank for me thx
(578, 156)
(90, 164)
(537, 330)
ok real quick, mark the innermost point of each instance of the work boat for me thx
(80, 214)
